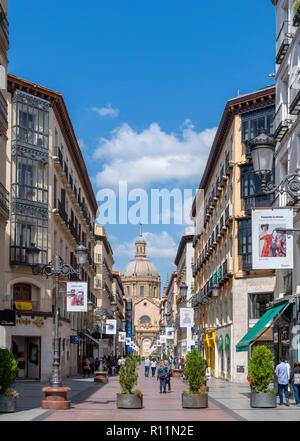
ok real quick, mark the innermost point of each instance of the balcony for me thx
(63, 214)
(4, 25)
(247, 262)
(3, 111)
(228, 214)
(58, 159)
(4, 201)
(296, 18)
(74, 232)
(228, 164)
(281, 122)
(288, 283)
(295, 96)
(258, 202)
(282, 42)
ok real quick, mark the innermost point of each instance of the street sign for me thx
(8, 317)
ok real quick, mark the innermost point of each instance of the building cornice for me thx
(184, 240)
(59, 107)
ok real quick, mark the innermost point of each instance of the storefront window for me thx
(257, 304)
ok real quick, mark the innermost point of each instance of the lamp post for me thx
(203, 300)
(56, 267)
(101, 375)
(114, 308)
(124, 330)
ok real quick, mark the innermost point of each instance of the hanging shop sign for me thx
(163, 339)
(8, 317)
(272, 247)
(186, 317)
(122, 337)
(74, 339)
(169, 333)
(111, 326)
(77, 297)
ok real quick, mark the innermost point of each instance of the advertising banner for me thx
(272, 247)
(111, 326)
(158, 343)
(122, 337)
(186, 317)
(163, 339)
(170, 333)
(77, 297)
(127, 341)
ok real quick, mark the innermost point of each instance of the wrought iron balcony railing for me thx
(4, 199)
(282, 42)
(281, 122)
(295, 96)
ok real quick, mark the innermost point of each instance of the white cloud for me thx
(153, 156)
(106, 111)
(160, 245)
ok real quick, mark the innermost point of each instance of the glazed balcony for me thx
(281, 122)
(295, 96)
(282, 42)
(4, 201)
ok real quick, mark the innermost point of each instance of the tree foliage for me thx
(296, 5)
(194, 370)
(261, 368)
(8, 370)
(127, 375)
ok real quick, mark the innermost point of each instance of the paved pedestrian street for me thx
(97, 402)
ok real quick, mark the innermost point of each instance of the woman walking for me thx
(153, 367)
(295, 381)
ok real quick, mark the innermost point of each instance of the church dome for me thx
(140, 266)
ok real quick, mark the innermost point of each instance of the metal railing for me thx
(4, 199)
(282, 42)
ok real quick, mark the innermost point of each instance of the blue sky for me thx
(145, 83)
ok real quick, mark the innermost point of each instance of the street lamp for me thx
(114, 308)
(183, 288)
(56, 267)
(262, 151)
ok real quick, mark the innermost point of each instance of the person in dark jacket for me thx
(169, 374)
(295, 381)
(162, 373)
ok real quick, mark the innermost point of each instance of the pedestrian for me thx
(97, 363)
(92, 364)
(168, 375)
(170, 360)
(295, 381)
(153, 367)
(282, 375)
(147, 366)
(162, 372)
(86, 367)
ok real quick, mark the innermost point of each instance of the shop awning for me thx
(243, 344)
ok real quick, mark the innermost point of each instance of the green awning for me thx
(243, 344)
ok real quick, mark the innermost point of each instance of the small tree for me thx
(194, 370)
(261, 368)
(127, 376)
(8, 370)
(296, 6)
(164, 356)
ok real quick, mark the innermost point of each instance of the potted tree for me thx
(8, 373)
(261, 371)
(194, 371)
(128, 398)
(296, 7)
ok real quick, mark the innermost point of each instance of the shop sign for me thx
(8, 317)
(240, 369)
(111, 326)
(186, 317)
(77, 297)
(275, 337)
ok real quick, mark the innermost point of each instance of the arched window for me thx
(145, 319)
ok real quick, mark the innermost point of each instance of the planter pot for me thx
(101, 377)
(129, 401)
(177, 372)
(263, 400)
(194, 400)
(8, 404)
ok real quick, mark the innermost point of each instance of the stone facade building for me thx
(141, 282)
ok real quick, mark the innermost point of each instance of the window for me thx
(145, 319)
(128, 291)
(29, 180)
(255, 120)
(141, 291)
(245, 236)
(257, 304)
(22, 292)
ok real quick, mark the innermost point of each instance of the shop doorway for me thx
(28, 351)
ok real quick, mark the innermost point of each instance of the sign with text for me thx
(8, 317)
(169, 333)
(272, 246)
(127, 341)
(77, 297)
(122, 337)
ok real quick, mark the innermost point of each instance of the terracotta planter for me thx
(195, 400)
(177, 372)
(56, 398)
(101, 377)
(263, 400)
(129, 401)
(8, 404)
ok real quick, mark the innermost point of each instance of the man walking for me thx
(282, 375)
(147, 366)
(153, 367)
(162, 372)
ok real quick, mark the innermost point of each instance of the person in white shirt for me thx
(153, 367)
(147, 366)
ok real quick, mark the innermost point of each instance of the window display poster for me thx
(169, 333)
(122, 337)
(77, 297)
(111, 326)
(271, 247)
(186, 317)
